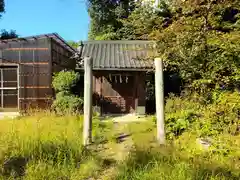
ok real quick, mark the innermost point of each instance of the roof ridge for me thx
(117, 41)
(48, 35)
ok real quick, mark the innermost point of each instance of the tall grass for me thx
(187, 120)
(45, 146)
(182, 158)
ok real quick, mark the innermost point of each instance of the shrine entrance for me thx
(119, 94)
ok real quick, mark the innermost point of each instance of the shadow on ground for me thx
(14, 166)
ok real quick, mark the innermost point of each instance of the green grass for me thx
(181, 159)
(46, 146)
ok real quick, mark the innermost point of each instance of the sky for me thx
(68, 18)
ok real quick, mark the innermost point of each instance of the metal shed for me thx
(26, 69)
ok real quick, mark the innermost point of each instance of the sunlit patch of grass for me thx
(167, 163)
(182, 158)
(46, 146)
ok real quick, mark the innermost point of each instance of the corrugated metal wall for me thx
(33, 62)
(61, 58)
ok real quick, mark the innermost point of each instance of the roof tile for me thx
(118, 54)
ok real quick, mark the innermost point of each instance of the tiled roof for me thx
(118, 54)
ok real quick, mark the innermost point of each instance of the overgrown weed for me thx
(46, 146)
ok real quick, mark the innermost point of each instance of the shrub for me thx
(208, 116)
(181, 113)
(66, 103)
(65, 80)
(222, 115)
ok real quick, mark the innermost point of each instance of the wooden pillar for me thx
(159, 94)
(88, 81)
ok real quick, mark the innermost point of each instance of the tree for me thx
(105, 15)
(2, 7)
(74, 44)
(202, 43)
(143, 21)
(4, 33)
(8, 35)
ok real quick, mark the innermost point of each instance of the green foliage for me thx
(202, 42)
(2, 6)
(141, 22)
(222, 116)
(180, 116)
(167, 163)
(211, 116)
(46, 146)
(65, 80)
(74, 44)
(66, 103)
(105, 17)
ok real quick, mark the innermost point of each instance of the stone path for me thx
(124, 118)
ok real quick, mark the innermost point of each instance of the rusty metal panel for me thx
(29, 92)
(27, 51)
(35, 80)
(10, 98)
(33, 58)
(34, 68)
(61, 58)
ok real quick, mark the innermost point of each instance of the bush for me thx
(65, 80)
(181, 113)
(222, 115)
(207, 118)
(66, 103)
